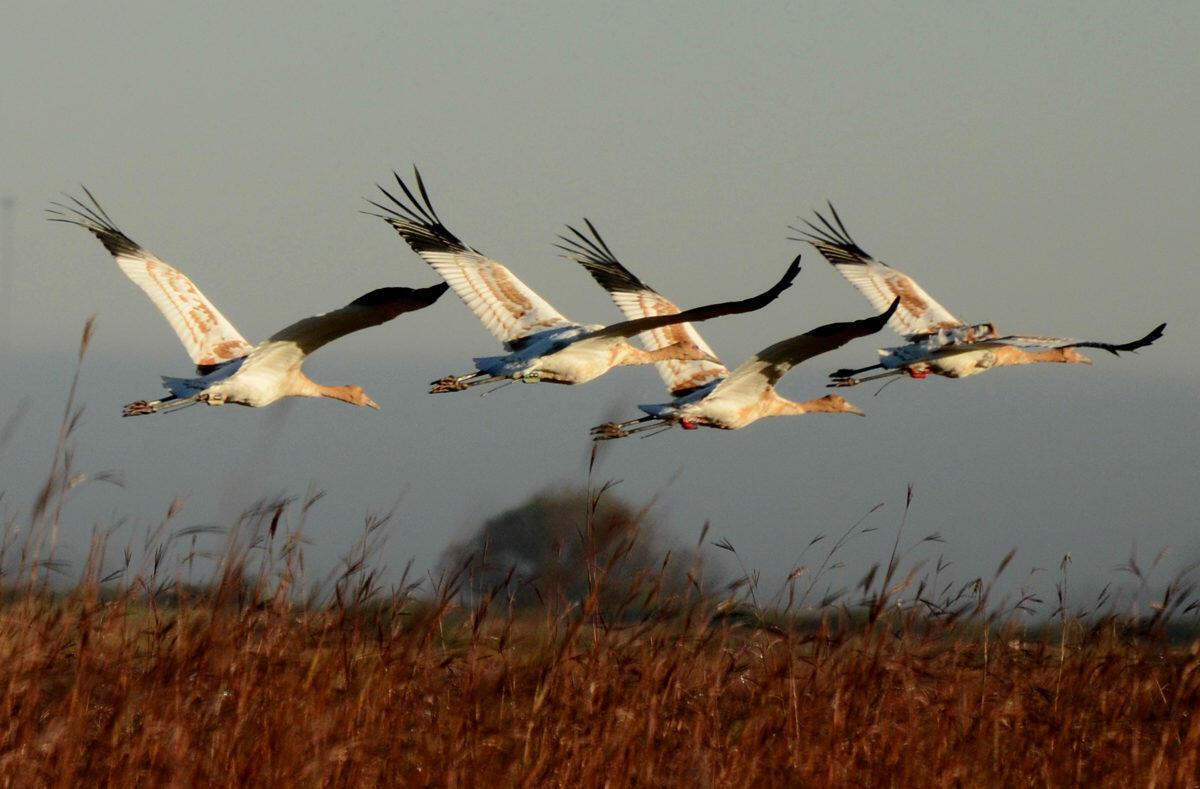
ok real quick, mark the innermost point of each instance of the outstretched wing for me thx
(208, 337)
(287, 348)
(880, 283)
(637, 300)
(1066, 342)
(765, 368)
(507, 306)
(639, 325)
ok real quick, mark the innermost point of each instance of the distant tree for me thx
(557, 543)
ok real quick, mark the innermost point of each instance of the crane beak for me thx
(853, 409)
(370, 403)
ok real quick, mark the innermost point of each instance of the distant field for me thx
(232, 687)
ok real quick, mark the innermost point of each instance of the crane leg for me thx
(139, 407)
(459, 383)
(611, 430)
(849, 381)
(846, 372)
(171, 403)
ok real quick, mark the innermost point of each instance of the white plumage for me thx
(748, 393)
(939, 343)
(542, 345)
(704, 393)
(635, 299)
(230, 370)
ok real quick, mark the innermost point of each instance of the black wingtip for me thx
(417, 210)
(391, 295)
(858, 328)
(424, 194)
(789, 275)
(95, 220)
(886, 315)
(432, 293)
(1129, 347)
(1149, 339)
(594, 254)
(415, 218)
(794, 267)
(831, 234)
(1133, 347)
(872, 325)
(785, 282)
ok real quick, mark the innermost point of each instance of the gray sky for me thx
(1035, 165)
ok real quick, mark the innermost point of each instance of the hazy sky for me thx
(1032, 164)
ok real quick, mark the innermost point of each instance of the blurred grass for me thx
(232, 686)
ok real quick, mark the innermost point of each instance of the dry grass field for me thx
(140, 674)
(234, 687)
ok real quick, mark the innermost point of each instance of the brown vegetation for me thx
(235, 688)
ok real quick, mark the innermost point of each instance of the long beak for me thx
(851, 408)
(708, 357)
(370, 403)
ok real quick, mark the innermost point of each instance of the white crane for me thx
(938, 342)
(541, 344)
(229, 369)
(707, 394)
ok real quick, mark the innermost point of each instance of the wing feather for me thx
(207, 336)
(635, 299)
(290, 346)
(765, 368)
(1031, 341)
(918, 313)
(708, 311)
(506, 306)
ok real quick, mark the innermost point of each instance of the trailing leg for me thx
(611, 430)
(459, 383)
(171, 403)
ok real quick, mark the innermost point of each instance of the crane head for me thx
(1073, 356)
(356, 396)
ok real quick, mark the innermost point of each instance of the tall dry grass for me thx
(151, 672)
(236, 685)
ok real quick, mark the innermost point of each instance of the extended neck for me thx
(782, 407)
(626, 354)
(354, 395)
(347, 394)
(1008, 355)
(778, 406)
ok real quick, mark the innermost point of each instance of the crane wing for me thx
(508, 307)
(765, 368)
(637, 300)
(287, 348)
(208, 337)
(880, 283)
(1066, 342)
(639, 325)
